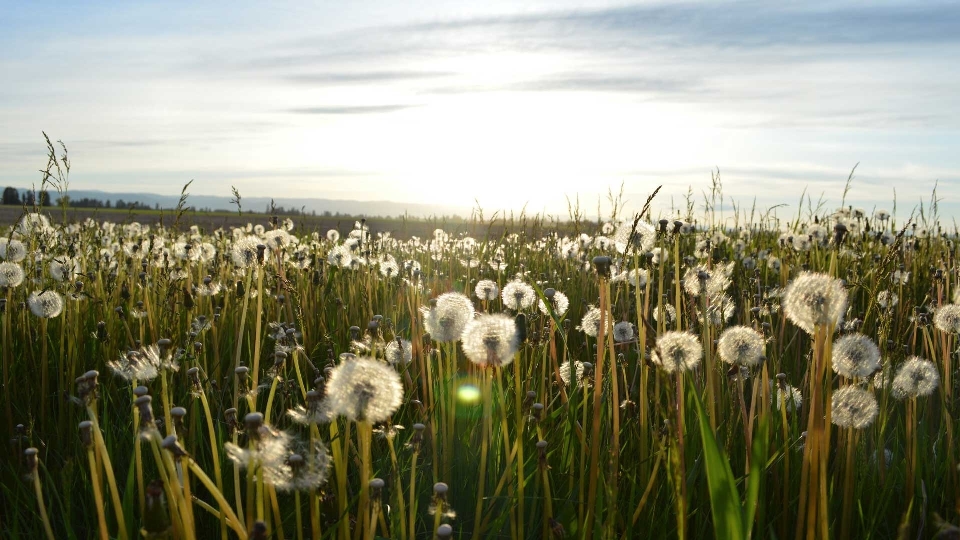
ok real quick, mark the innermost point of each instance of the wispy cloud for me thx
(365, 77)
(350, 109)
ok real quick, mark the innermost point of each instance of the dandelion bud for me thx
(259, 531)
(445, 531)
(839, 232)
(602, 264)
(528, 401)
(240, 289)
(120, 313)
(536, 412)
(279, 358)
(187, 299)
(253, 422)
(376, 489)
(417, 439)
(521, 323)
(417, 404)
(125, 292)
(30, 459)
(542, 452)
(355, 333)
(172, 445)
(194, 374)
(86, 433)
(663, 225)
(241, 372)
(143, 404)
(556, 527)
(230, 417)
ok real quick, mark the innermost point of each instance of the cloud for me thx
(748, 24)
(349, 109)
(363, 77)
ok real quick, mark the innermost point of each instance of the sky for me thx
(501, 104)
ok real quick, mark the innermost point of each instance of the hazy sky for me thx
(503, 102)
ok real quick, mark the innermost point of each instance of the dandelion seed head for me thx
(855, 355)
(243, 252)
(790, 397)
(741, 345)
(559, 302)
(590, 324)
(947, 318)
(518, 295)
(677, 351)
(363, 389)
(670, 313)
(486, 290)
(623, 332)
(915, 378)
(642, 238)
(446, 320)
(11, 275)
(45, 304)
(577, 373)
(340, 256)
(490, 340)
(813, 300)
(888, 299)
(854, 408)
(399, 352)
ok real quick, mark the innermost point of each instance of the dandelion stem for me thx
(43, 507)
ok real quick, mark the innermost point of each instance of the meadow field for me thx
(659, 374)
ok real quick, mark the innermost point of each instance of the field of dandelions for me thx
(637, 377)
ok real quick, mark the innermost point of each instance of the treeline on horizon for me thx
(15, 197)
(42, 199)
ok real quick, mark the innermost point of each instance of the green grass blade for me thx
(758, 458)
(724, 498)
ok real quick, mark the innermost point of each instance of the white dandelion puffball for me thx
(560, 304)
(11, 275)
(517, 295)
(642, 238)
(623, 332)
(915, 378)
(490, 340)
(853, 408)
(813, 300)
(947, 318)
(399, 352)
(855, 355)
(677, 351)
(363, 389)
(590, 325)
(45, 304)
(487, 290)
(446, 320)
(741, 345)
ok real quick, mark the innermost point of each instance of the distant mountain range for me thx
(261, 204)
